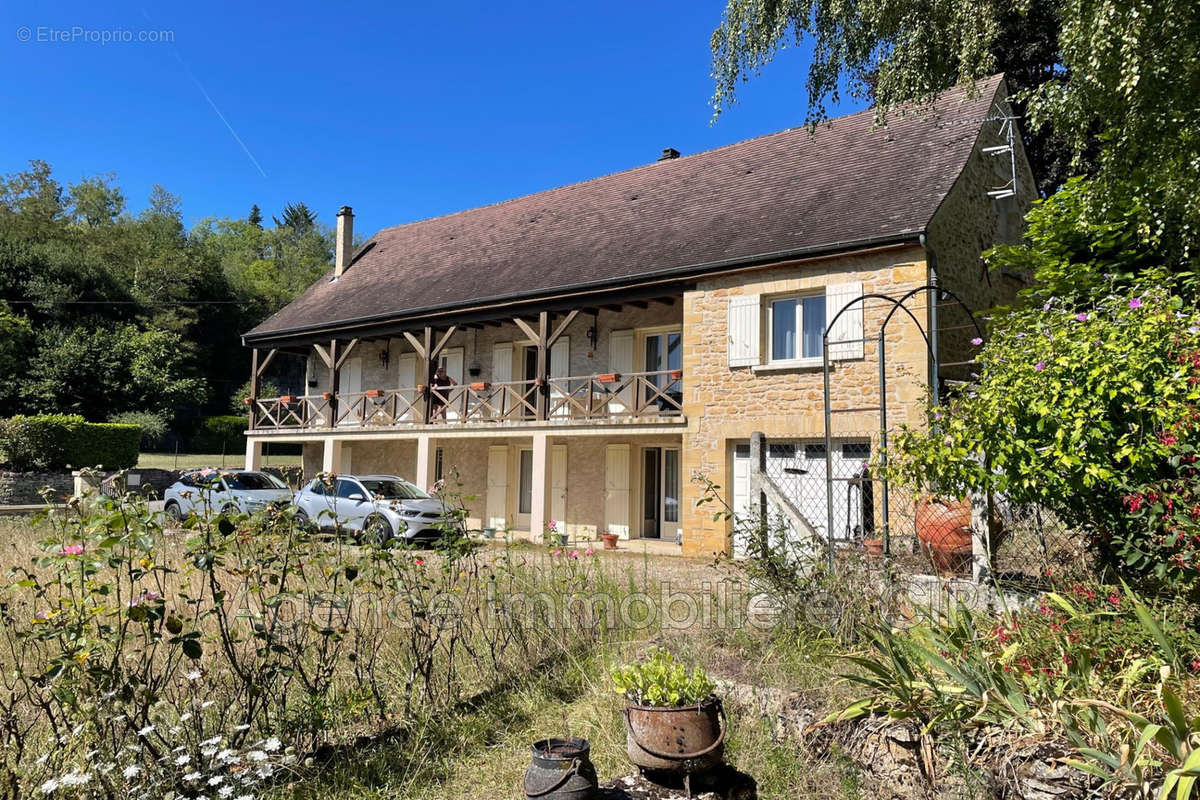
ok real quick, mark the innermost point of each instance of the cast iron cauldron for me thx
(687, 740)
(561, 769)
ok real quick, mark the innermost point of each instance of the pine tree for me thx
(255, 217)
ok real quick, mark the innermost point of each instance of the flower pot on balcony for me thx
(481, 386)
(287, 400)
(675, 374)
(539, 382)
(374, 393)
(610, 540)
(326, 395)
(608, 377)
(247, 401)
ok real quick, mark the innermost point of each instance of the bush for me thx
(220, 434)
(1091, 410)
(61, 441)
(238, 404)
(154, 427)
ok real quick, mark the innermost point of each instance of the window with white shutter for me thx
(744, 330)
(845, 337)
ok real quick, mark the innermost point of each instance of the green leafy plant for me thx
(154, 427)
(662, 681)
(58, 441)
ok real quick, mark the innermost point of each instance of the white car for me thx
(209, 491)
(374, 508)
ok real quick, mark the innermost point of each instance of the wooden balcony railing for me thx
(593, 398)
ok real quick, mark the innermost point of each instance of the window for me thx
(317, 487)
(813, 452)
(252, 481)
(856, 450)
(796, 327)
(438, 463)
(346, 488)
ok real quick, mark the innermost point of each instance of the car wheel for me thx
(230, 509)
(376, 530)
(174, 512)
(303, 522)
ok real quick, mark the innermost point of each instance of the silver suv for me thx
(375, 508)
(209, 491)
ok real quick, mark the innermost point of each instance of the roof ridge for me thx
(653, 164)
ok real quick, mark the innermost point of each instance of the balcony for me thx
(591, 399)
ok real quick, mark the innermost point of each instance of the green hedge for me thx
(223, 434)
(63, 441)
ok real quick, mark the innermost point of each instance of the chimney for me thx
(668, 154)
(344, 248)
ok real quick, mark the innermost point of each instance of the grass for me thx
(199, 460)
(481, 752)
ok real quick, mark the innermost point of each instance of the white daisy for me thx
(272, 744)
(225, 791)
(257, 755)
(132, 771)
(75, 778)
(49, 786)
(192, 776)
(183, 759)
(146, 731)
(194, 675)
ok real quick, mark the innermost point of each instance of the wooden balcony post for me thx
(253, 385)
(334, 372)
(430, 369)
(543, 366)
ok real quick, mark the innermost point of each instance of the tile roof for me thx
(795, 190)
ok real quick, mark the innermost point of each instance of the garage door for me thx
(798, 469)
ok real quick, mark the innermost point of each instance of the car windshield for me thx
(392, 489)
(249, 481)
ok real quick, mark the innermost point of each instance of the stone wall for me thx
(23, 488)
(724, 404)
(967, 223)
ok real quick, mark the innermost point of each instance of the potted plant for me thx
(480, 386)
(373, 393)
(287, 400)
(675, 374)
(610, 540)
(608, 377)
(673, 720)
(326, 395)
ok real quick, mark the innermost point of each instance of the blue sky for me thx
(403, 111)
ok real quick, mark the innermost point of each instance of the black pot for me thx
(561, 769)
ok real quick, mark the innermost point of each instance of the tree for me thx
(1120, 91)
(297, 217)
(255, 218)
(16, 344)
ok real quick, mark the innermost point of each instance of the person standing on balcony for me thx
(439, 386)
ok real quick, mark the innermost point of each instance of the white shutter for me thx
(502, 355)
(616, 489)
(560, 369)
(558, 485)
(497, 487)
(849, 328)
(744, 330)
(620, 359)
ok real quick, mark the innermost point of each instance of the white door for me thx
(558, 485)
(616, 489)
(497, 487)
(350, 392)
(452, 359)
(407, 384)
(740, 501)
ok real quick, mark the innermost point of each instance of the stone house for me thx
(609, 341)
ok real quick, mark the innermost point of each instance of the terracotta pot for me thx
(326, 395)
(675, 374)
(247, 400)
(688, 740)
(287, 400)
(608, 377)
(480, 386)
(374, 393)
(610, 540)
(944, 530)
(873, 547)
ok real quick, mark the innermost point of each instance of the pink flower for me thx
(591, 551)
(977, 341)
(72, 550)
(573, 554)
(1041, 365)
(1081, 317)
(1135, 302)
(558, 552)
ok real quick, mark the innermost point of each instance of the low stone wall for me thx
(24, 488)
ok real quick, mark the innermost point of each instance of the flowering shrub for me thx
(1088, 408)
